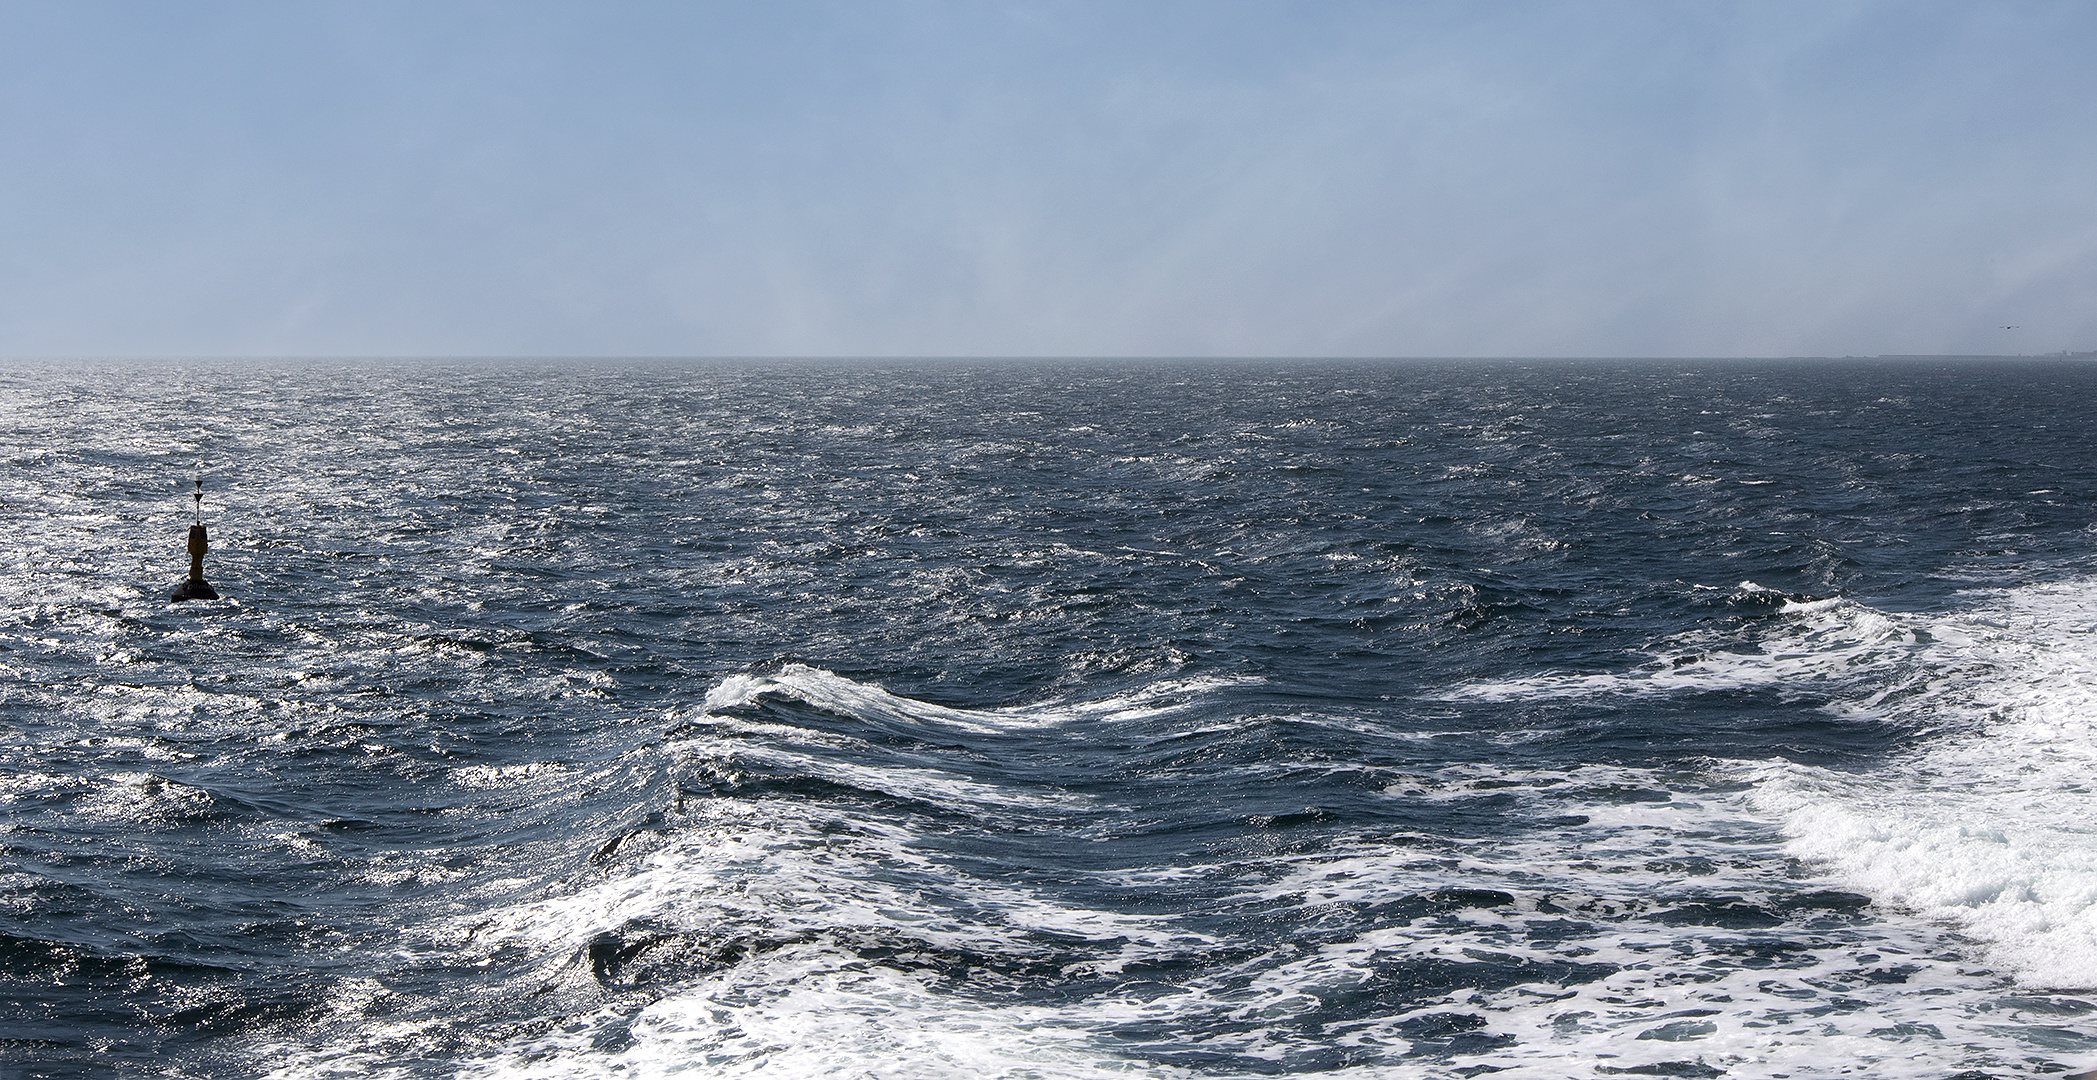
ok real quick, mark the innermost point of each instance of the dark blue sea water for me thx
(1050, 720)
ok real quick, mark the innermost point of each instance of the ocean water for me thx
(1050, 720)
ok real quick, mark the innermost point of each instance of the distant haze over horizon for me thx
(935, 179)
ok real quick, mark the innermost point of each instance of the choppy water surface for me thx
(1073, 720)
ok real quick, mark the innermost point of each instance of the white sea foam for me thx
(806, 1011)
(1989, 822)
(1986, 822)
(143, 797)
(812, 1011)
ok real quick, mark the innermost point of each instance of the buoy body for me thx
(196, 588)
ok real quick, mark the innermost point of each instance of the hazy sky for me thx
(1047, 178)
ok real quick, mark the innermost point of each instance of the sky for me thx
(1048, 178)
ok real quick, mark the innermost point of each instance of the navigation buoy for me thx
(196, 588)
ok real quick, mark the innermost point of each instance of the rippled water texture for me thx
(1538, 720)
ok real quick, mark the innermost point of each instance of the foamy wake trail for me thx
(1661, 934)
(1991, 823)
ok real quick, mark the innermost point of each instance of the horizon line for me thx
(2063, 354)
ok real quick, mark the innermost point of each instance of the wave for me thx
(790, 930)
(1803, 641)
(862, 701)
